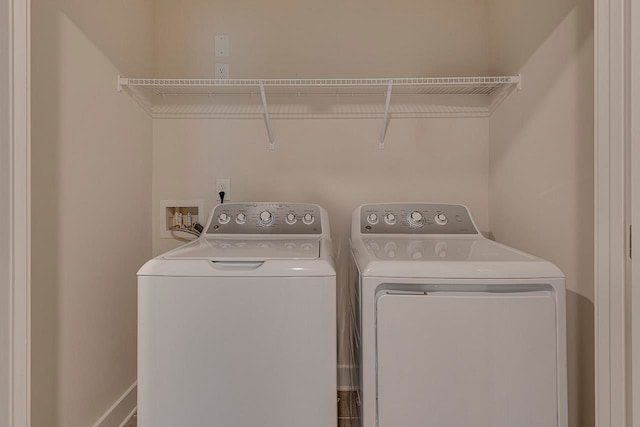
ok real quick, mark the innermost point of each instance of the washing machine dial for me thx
(265, 218)
(390, 219)
(224, 218)
(241, 218)
(440, 219)
(415, 219)
(290, 219)
(372, 218)
(308, 219)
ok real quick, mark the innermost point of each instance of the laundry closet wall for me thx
(91, 186)
(541, 167)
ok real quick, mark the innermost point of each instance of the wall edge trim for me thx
(119, 414)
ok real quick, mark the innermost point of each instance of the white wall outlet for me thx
(223, 184)
(222, 71)
(222, 45)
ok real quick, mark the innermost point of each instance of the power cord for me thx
(221, 194)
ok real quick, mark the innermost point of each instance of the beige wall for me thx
(91, 181)
(335, 163)
(5, 201)
(332, 162)
(121, 30)
(323, 39)
(541, 164)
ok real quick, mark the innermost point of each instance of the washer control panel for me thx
(266, 218)
(415, 218)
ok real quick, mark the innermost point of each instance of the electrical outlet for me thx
(223, 184)
(222, 71)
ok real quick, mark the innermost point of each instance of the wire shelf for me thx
(320, 98)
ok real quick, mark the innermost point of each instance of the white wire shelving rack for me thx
(269, 99)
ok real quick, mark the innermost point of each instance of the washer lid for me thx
(247, 249)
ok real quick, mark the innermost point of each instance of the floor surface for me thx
(133, 422)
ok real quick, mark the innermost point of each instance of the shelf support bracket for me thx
(272, 144)
(122, 81)
(385, 124)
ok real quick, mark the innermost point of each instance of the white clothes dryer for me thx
(238, 328)
(454, 329)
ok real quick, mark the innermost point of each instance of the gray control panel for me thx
(266, 218)
(415, 218)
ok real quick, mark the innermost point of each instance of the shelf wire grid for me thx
(288, 98)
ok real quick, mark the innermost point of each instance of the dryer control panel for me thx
(415, 218)
(265, 218)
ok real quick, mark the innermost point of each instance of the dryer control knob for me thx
(290, 219)
(241, 218)
(390, 218)
(266, 218)
(223, 218)
(441, 219)
(372, 218)
(415, 219)
(308, 219)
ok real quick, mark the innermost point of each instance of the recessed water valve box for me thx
(180, 214)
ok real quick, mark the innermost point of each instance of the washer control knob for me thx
(441, 219)
(241, 218)
(266, 218)
(308, 219)
(415, 219)
(224, 218)
(290, 219)
(372, 218)
(390, 219)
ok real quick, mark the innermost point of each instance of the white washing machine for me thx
(454, 329)
(238, 328)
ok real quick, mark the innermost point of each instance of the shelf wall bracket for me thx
(385, 124)
(272, 143)
(122, 81)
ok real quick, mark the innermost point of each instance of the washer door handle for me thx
(237, 265)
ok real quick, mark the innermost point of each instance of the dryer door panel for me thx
(467, 359)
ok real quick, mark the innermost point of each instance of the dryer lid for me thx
(459, 258)
(443, 249)
(247, 249)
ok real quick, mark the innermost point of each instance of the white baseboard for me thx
(122, 410)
